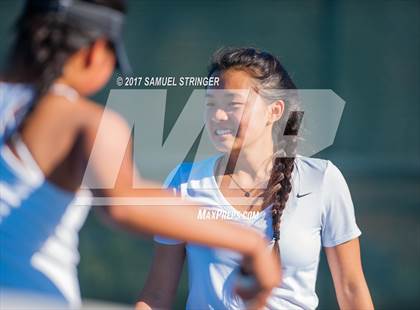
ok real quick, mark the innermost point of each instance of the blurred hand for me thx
(260, 273)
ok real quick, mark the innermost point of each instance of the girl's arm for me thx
(347, 273)
(180, 222)
(162, 282)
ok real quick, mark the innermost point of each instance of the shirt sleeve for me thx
(338, 219)
(172, 181)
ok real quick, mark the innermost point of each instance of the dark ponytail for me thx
(43, 43)
(275, 84)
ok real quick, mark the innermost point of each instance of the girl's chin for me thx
(223, 147)
(226, 147)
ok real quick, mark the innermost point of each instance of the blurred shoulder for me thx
(93, 115)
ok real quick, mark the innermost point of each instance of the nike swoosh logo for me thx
(303, 195)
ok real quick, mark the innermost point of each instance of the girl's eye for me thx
(236, 104)
(210, 104)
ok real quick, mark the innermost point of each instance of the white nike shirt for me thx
(319, 213)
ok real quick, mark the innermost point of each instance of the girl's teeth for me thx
(221, 132)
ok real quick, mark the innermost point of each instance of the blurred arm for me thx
(178, 223)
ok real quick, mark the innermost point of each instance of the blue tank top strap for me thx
(15, 102)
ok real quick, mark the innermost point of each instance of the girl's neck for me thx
(64, 90)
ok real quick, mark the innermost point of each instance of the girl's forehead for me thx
(233, 84)
(234, 78)
(228, 94)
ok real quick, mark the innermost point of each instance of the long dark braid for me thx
(276, 84)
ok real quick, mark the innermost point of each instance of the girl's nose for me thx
(220, 115)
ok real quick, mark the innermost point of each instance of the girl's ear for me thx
(97, 53)
(276, 110)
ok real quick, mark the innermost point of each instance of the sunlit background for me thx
(368, 52)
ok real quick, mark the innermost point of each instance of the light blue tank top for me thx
(39, 225)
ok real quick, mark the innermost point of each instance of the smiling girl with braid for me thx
(301, 203)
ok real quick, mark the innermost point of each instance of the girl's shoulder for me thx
(311, 164)
(316, 173)
(191, 171)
